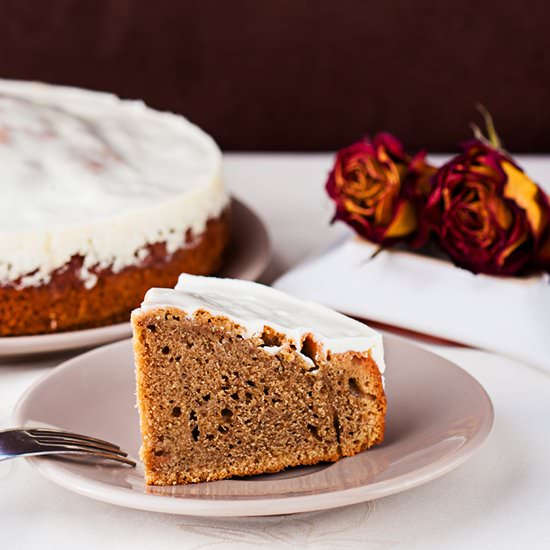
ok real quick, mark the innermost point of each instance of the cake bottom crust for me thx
(66, 304)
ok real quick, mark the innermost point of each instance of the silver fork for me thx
(46, 441)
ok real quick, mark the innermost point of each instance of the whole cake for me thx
(100, 199)
(235, 378)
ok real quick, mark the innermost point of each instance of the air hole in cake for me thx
(227, 413)
(152, 328)
(193, 416)
(271, 339)
(248, 396)
(195, 433)
(250, 383)
(206, 397)
(235, 396)
(309, 347)
(314, 432)
(266, 391)
(210, 437)
(176, 411)
(190, 345)
(355, 388)
(159, 453)
(165, 350)
(336, 424)
(223, 429)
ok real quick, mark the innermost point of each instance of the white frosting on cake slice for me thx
(255, 306)
(85, 173)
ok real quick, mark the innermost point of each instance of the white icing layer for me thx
(86, 173)
(255, 306)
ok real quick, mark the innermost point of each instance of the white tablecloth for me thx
(498, 499)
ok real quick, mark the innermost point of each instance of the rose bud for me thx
(374, 189)
(485, 211)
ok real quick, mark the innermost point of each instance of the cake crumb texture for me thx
(216, 403)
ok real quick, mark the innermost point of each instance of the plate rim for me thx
(15, 346)
(258, 506)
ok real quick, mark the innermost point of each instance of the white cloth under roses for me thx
(431, 296)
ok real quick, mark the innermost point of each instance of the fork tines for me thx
(78, 443)
(50, 432)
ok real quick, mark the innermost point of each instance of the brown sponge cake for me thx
(235, 379)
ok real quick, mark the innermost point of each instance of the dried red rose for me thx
(376, 186)
(486, 213)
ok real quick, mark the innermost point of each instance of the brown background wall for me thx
(300, 74)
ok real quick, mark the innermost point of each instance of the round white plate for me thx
(438, 416)
(246, 258)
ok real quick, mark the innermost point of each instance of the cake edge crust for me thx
(65, 304)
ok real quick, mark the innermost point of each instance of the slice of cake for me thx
(235, 378)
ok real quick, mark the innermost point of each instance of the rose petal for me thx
(404, 222)
(543, 254)
(521, 189)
